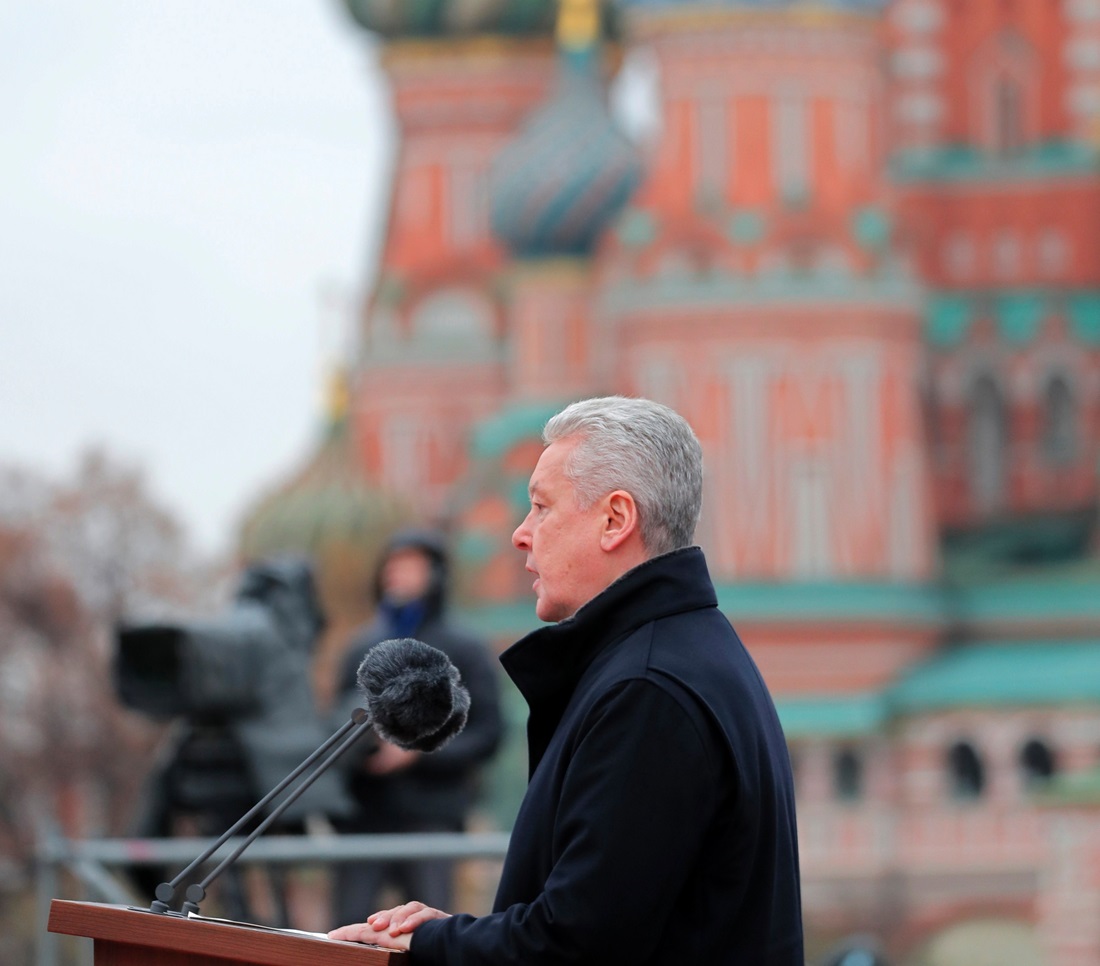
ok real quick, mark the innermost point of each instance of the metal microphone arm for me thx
(346, 735)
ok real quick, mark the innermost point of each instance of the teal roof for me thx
(832, 717)
(1003, 673)
(896, 602)
(997, 673)
(1018, 315)
(966, 163)
(1084, 317)
(1073, 596)
(947, 320)
(493, 437)
(1056, 594)
(1062, 595)
(782, 287)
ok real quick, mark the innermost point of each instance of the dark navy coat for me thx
(658, 825)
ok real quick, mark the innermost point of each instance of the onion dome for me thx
(453, 18)
(329, 511)
(570, 171)
(328, 503)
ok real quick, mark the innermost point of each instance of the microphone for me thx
(414, 694)
(414, 699)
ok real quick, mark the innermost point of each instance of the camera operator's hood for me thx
(433, 544)
(285, 586)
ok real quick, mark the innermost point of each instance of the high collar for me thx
(547, 664)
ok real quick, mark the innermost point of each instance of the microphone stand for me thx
(344, 737)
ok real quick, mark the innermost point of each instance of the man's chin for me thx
(544, 611)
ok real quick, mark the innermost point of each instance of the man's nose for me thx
(520, 538)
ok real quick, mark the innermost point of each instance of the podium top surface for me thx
(233, 942)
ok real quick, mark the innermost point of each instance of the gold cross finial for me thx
(578, 23)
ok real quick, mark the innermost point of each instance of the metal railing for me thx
(90, 860)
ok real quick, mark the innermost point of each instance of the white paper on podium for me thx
(255, 925)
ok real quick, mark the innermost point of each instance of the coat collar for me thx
(547, 664)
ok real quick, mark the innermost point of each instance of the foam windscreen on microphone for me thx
(413, 694)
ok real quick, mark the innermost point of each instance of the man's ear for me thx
(620, 521)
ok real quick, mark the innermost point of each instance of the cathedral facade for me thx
(859, 251)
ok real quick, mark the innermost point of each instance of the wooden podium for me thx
(130, 937)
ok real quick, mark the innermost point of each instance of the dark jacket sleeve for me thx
(622, 849)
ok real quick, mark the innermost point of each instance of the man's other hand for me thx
(390, 927)
(389, 758)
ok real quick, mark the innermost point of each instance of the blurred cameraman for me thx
(395, 790)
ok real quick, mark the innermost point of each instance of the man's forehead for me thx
(538, 483)
(548, 470)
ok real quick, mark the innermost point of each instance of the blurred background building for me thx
(860, 252)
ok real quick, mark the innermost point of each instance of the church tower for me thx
(432, 341)
(995, 107)
(556, 189)
(758, 286)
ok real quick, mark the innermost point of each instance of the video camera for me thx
(242, 685)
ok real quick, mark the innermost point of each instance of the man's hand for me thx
(391, 927)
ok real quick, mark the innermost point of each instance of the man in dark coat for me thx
(659, 822)
(396, 790)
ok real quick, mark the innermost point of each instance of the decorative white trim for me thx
(919, 108)
(1052, 252)
(791, 147)
(959, 255)
(712, 141)
(1082, 53)
(917, 63)
(1083, 100)
(1083, 11)
(1007, 254)
(919, 16)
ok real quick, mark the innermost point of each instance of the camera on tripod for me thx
(241, 685)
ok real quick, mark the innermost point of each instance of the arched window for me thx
(959, 254)
(1006, 254)
(1053, 252)
(1004, 83)
(965, 771)
(453, 315)
(1059, 439)
(1008, 124)
(987, 444)
(847, 775)
(1037, 763)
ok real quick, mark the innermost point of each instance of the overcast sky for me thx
(180, 184)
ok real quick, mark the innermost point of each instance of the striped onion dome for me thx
(570, 170)
(395, 19)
